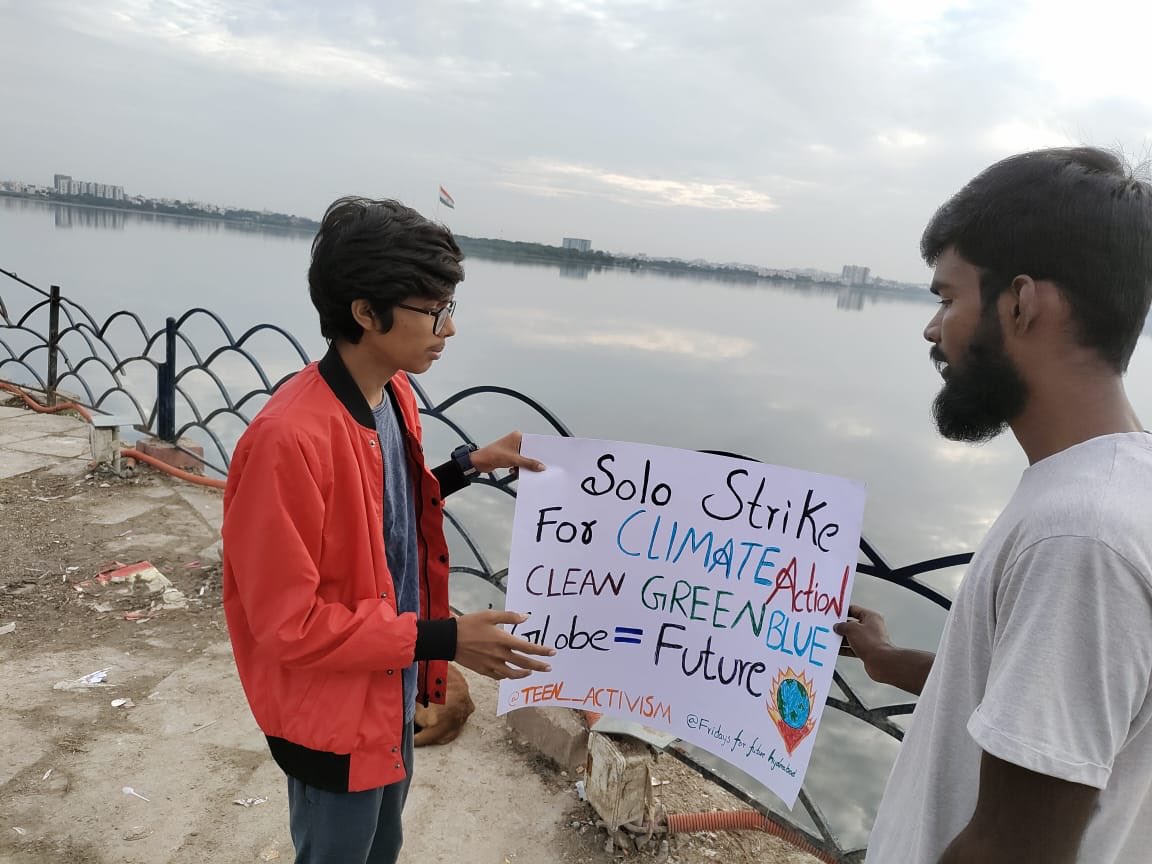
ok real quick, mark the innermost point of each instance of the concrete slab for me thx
(24, 746)
(215, 552)
(6, 412)
(120, 510)
(221, 721)
(13, 432)
(462, 777)
(42, 424)
(54, 445)
(134, 541)
(207, 503)
(13, 463)
(69, 468)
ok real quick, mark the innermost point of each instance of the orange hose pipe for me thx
(46, 409)
(210, 482)
(742, 820)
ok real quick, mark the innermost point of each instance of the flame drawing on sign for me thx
(792, 706)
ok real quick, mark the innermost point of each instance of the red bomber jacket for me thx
(310, 603)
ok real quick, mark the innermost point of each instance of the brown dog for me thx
(439, 724)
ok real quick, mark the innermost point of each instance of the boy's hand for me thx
(504, 453)
(484, 646)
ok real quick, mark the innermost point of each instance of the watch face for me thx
(463, 457)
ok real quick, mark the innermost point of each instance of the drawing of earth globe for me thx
(792, 703)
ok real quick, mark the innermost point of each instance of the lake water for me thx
(831, 381)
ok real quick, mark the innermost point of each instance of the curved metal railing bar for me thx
(206, 430)
(40, 382)
(220, 386)
(468, 392)
(102, 351)
(11, 275)
(486, 571)
(33, 309)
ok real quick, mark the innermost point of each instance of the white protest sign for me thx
(685, 591)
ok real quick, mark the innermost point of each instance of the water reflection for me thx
(89, 217)
(68, 216)
(778, 371)
(574, 271)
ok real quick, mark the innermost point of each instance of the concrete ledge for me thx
(558, 733)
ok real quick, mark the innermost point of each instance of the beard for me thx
(984, 393)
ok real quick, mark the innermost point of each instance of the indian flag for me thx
(446, 199)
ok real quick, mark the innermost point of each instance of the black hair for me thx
(1077, 216)
(382, 252)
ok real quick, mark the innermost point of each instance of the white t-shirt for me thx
(1045, 662)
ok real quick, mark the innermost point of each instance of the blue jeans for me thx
(349, 827)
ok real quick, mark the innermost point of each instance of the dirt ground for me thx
(184, 743)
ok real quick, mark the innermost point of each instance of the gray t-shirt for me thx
(399, 528)
(1045, 662)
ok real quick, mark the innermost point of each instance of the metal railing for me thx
(43, 362)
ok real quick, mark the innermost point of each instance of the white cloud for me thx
(973, 455)
(1086, 53)
(262, 40)
(694, 344)
(551, 179)
(1016, 136)
(850, 428)
(902, 139)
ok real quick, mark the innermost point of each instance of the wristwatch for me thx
(462, 456)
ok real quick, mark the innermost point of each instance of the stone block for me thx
(171, 454)
(558, 733)
(619, 780)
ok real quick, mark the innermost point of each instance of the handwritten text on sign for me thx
(689, 592)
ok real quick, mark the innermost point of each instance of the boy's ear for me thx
(363, 315)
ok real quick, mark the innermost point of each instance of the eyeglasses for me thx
(440, 315)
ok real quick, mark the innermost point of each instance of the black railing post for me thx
(53, 341)
(166, 386)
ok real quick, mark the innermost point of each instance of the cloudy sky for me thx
(787, 134)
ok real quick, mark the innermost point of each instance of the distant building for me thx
(853, 275)
(577, 244)
(63, 184)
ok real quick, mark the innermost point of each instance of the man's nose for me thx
(932, 331)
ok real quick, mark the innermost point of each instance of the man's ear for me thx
(363, 315)
(1026, 300)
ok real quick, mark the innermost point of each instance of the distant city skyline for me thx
(64, 184)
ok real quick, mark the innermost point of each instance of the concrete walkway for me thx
(187, 742)
(32, 442)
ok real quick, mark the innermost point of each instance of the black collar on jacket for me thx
(337, 376)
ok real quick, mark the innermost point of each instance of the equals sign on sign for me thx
(628, 635)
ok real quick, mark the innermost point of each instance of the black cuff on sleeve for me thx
(436, 640)
(451, 478)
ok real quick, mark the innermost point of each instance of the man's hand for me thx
(865, 634)
(485, 647)
(866, 637)
(504, 453)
